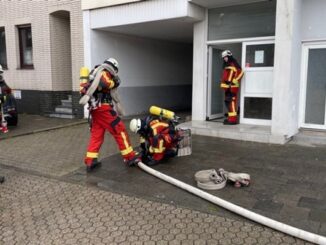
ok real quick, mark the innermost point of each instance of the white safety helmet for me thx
(113, 62)
(135, 125)
(226, 53)
(1, 70)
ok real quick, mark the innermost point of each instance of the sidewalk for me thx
(49, 199)
(29, 124)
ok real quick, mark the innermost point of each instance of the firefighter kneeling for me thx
(159, 138)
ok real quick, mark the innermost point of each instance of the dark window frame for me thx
(4, 65)
(21, 28)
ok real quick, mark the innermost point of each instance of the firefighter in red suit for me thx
(231, 77)
(104, 117)
(158, 139)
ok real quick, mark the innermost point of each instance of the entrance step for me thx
(309, 137)
(61, 115)
(64, 110)
(67, 103)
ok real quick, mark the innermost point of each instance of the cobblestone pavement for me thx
(38, 210)
(54, 152)
(48, 198)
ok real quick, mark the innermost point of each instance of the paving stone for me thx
(50, 198)
(312, 203)
(302, 213)
(96, 230)
(268, 205)
(318, 215)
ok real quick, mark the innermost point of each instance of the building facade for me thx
(169, 56)
(41, 49)
(281, 46)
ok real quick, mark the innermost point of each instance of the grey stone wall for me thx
(44, 102)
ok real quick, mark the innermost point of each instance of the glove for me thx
(84, 88)
(228, 83)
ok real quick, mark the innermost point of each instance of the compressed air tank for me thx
(83, 74)
(157, 111)
(83, 77)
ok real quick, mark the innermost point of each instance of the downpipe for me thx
(293, 231)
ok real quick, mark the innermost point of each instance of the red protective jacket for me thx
(231, 77)
(160, 139)
(105, 118)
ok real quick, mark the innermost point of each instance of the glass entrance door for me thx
(215, 94)
(313, 96)
(257, 83)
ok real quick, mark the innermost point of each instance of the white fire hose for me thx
(293, 231)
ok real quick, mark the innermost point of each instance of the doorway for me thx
(313, 84)
(255, 97)
(60, 41)
(215, 95)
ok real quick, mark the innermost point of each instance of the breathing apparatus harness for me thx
(94, 78)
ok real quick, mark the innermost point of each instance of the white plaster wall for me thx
(313, 19)
(287, 67)
(144, 62)
(199, 87)
(139, 12)
(153, 72)
(91, 4)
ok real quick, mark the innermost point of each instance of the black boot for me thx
(134, 161)
(93, 165)
(227, 122)
(152, 162)
(2, 179)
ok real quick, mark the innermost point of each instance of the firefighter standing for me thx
(3, 87)
(158, 139)
(231, 77)
(104, 117)
(4, 91)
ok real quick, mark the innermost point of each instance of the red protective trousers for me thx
(232, 107)
(105, 118)
(231, 78)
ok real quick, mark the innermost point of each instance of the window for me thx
(258, 108)
(25, 46)
(241, 21)
(3, 51)
(260, 55)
